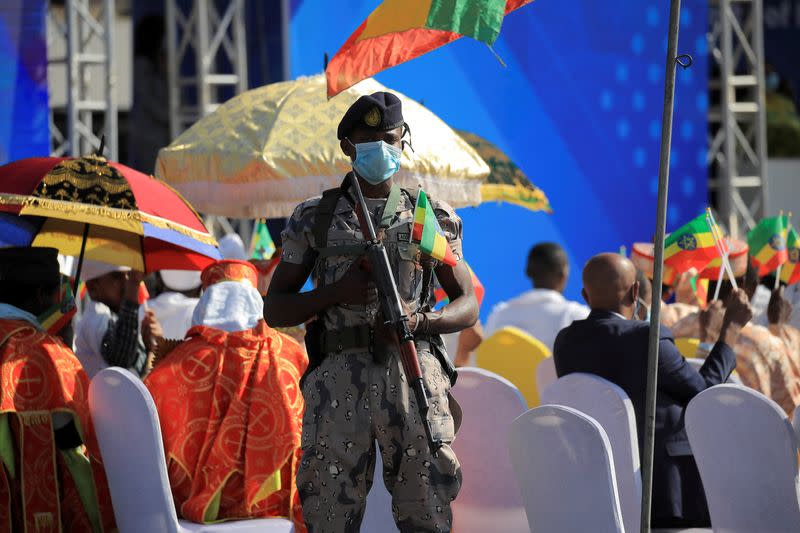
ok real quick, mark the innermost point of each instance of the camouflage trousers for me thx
(351, 401)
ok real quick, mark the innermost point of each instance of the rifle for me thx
(392, 310)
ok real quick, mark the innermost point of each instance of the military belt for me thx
(346, 338)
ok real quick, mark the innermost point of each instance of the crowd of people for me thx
(260, 421)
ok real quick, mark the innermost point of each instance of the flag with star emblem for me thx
(691, 245)
(790, 273)
(261, 245)
(767, 242)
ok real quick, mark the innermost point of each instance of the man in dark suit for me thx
(612, 345)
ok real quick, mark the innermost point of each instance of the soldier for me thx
(355, 389)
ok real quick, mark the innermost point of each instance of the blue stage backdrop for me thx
(24, 123)
(578, 108)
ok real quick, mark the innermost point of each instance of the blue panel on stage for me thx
(24, 122)
(578, 108)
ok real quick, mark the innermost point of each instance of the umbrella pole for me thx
(80, 260)
(658, 266)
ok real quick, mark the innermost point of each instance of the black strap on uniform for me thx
(323, 216)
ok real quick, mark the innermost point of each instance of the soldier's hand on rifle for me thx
(356, 287)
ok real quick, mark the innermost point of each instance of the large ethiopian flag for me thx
(400, 30)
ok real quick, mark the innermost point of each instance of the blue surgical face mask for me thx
(376, 161)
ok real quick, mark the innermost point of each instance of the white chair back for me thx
(378, 514)
(608, 404)
(697, 364)
(796, 421)
(546, 373)
(489, 499)
(746, 451)
(562, 459)
(129, 436)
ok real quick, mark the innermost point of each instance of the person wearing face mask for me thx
(355, 388)
(611, 345)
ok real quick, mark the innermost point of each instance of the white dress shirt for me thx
(174, 312)
(542, 313)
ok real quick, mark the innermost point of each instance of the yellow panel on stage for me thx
(514, 354)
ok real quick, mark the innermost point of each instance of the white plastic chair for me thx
(489, 499)
(562, 459)
(608, 404)
(129, 435)
(746, 451)
(546, 373)
(378, 514)
(697, 364)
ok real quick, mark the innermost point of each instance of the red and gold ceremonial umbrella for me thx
(105, 211)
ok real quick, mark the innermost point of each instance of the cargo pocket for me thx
(442, 425)
(408, 271)
(437, 386)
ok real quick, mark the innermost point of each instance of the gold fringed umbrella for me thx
(266, 150)
(505, 182)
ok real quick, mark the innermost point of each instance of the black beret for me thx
(29, 265)
(379, 111)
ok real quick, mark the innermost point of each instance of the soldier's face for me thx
(364, 135)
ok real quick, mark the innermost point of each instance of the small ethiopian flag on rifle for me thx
(767, 242)
(428, 234)
(790, 273)
(60, 314)
(691, 245)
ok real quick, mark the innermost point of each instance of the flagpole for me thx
(777, 283)
(658, 266)
(723, 249)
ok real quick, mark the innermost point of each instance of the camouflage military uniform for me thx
(353, 398)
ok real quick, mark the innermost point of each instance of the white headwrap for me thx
(230, 306)
(180, 280)
(95, 269)
(232, 247)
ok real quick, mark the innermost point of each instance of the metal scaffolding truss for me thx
(737, 152)
(84, 30)
(206, 53)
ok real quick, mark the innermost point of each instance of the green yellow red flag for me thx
(790, 273)
(60, 314)
(691, 245)
(427, 233)
(261, 244)
(400, 30)
(767, 242)
(441, 295)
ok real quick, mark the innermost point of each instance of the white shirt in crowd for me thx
(89, 332)
(542, 313)
(174, 312)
